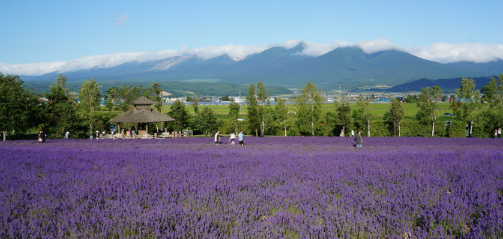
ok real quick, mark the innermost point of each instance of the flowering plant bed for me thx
(292, 187)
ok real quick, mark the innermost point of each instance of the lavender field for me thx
(295, 187)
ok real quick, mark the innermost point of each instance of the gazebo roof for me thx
(142, 100)
(141, 116)
(142, 113)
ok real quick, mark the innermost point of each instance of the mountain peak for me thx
(299, 48)
(169, 62)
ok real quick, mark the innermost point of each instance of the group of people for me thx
(497, 133)
(232, 138)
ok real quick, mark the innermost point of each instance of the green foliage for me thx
(470, 108)
(309, 110)
(253, 110)
(330, 127)
(394, 116)
(428, 102)
(362, 116)
(195, 106)
(19, 108)
(264, 108)
(280, 118)
(233, 115)
(181, 116)
(380, 128)
(413, 128)
(343, 117)
(153, 93)
(457, 129)
(89, 96)
(207, 122)
(486, 122)
(490, 92)
(60, 114)
(411, 99)
(122, 98)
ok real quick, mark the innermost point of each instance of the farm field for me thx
(274, 187)
(377, 110)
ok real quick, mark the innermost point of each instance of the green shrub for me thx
(457, 129)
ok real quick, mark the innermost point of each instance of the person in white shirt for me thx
(232, 138)
(217, 137)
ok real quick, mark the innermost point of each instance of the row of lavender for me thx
(272, 187)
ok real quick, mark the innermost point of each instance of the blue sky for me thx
(52, 33)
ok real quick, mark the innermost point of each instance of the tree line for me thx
(22, 111)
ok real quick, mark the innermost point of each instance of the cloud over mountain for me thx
(439, 52)
(448, 53)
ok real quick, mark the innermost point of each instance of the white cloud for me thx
(472, 52)
(369, 47)
(440, 52)
(122, 20)
(380, 44)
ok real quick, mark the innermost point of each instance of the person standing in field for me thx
(359, 139)
(217, 137)
(499, 132)
(41, 137)
(67, 134)
(240, 137)
(232, 138)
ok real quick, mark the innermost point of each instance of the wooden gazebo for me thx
(142, 113)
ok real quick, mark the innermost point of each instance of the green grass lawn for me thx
(378, 110)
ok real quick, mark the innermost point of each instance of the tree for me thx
(343, 113)
(61, 81)
(89, 96)
(19, 107)
(362, 114)
(60, 114)
(180, 114)
(123, 97)
(428, 106)
(233, 115)
(263, 98)
(493, 93)
(470, 108)
(153, 93)
(309, 105)
(194, 105)
(207, 121)
(281, 113)
(395, 116)
(253, 110)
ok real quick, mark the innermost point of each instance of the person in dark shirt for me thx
(359, 139)
(41, 137)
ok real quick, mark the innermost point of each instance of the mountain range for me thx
(350, 67)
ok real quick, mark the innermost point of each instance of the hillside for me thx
(447, 85)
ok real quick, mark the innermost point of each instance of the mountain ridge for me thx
(349, 66)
